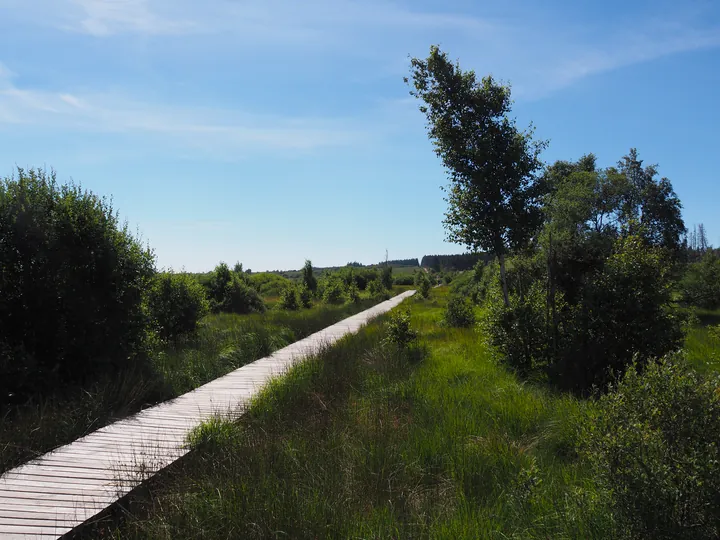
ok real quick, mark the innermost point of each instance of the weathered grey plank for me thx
(53, 494)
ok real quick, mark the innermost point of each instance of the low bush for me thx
(333, 291)
(232, 292)
(459, 312)
(305, 296)
(653, 442)
(399, 332)
(386, 276)
(521, 331)
(289, 298)
(404, 279)
(377, 290)
(353, 293)
(176, 303)
(701, 284)
(241, 297)
(269, 284)
(422, 282)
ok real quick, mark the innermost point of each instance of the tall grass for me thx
(222, 343)
(702, 343)
(365, 441)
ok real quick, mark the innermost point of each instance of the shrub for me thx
(232, 292)
(621, 310)
(269, 284)
(289, 298)
(386, 276)
(653, 442)
(72, 280)
(305, 296)
(176, 303)
(625, 310)
(701, 284)
(240, 297)
(422, 282)
(459, 312)
(521, 332)
(308, 278)
(399, 332)
(353, 293)
(377, 290)
(403, 279)
(333, 292)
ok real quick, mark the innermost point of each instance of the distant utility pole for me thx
(386, 257)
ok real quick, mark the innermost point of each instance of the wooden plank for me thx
(49, 496)
(84, 506)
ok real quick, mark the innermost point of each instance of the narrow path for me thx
(50, 496)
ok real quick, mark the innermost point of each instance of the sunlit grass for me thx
(222, 343)
(702, 344)
(366, 442)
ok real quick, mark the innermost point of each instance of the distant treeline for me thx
(464, 261)
(401, 262)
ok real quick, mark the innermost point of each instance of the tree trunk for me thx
(503, 280)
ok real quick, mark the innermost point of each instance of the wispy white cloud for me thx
(224, 133)
(269, 19)
(106, 17)
(641, 45)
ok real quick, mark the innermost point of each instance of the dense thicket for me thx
(465, 261)
(595, 289)
(700, 286)
(232, 291)
(72, 280)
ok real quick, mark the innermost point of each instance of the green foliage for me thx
(404, 279)
(700, 286)
(627, 310)
(176, 303)
(386, 276)
(402, 262)
(377, 290)
(596, 290)
(622, 309)
(653, 442)
(453, 447)
(289, 298)
(652, 203)
(521, 331)
(459, 312)
(422, 282)
(353, 293)
(222, 343)
(232, 292)
(72, 281)
(308, 278)
(305, 296)
(399, 330)
(269, 284)
(333, 291)
(459, 262)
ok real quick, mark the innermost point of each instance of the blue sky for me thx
(273, 131)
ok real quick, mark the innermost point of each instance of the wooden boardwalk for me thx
(50, 496)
